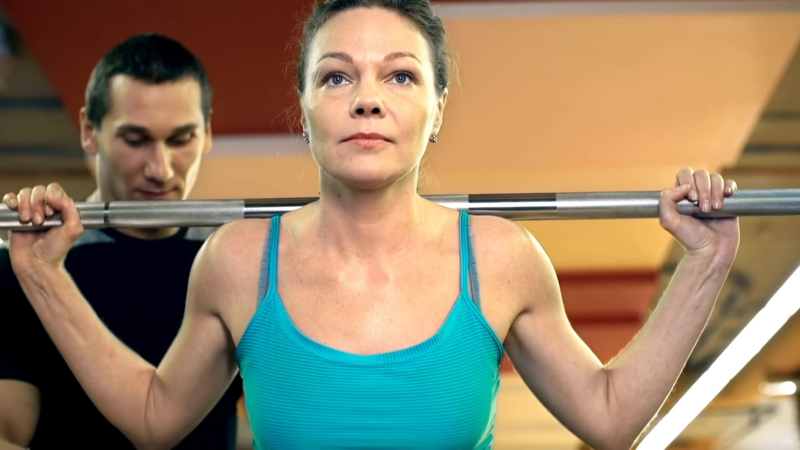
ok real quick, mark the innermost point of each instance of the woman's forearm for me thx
(643, 375)
(116, 379)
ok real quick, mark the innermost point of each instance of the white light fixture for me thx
(778, 388)
(741, 350)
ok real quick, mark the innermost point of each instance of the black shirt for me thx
(138, 289)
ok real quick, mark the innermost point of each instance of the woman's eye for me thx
(336, 79)
(402, 78)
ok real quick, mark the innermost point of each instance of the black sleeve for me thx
(20, 328)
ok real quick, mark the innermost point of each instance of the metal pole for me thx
(591, 205)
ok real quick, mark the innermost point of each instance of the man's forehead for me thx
(124, 85)
(149, 105)
(133, 127)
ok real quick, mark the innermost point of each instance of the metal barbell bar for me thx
(563, 206)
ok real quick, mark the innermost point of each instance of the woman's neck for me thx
(370, 222)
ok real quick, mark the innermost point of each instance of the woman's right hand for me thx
(33, 251)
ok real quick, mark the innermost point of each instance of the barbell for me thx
(542, 206)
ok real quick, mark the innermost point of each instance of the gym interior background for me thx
(552, 96)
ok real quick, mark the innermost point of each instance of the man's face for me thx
(150, 143)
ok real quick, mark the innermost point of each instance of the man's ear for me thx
(88, 134)
(209, 136)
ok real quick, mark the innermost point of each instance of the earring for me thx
(434, 138)
(305, 137)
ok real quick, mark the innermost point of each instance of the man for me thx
(146, 124)
(10, 52)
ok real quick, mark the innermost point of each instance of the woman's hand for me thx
(32, 251)
(716, 239)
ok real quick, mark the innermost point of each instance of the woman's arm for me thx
(609, 406)
(154, 407)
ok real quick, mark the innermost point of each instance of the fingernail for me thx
(693, 196)
(728, 189)
(37, 218)
(716, 204)
(705, 206)
(49, 211)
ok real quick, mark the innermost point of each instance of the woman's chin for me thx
(369, 180)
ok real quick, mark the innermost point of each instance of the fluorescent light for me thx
(779, 388)
(742, 349)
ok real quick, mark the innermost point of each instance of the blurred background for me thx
(550, 96)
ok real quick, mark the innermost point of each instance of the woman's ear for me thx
(301, 117)
(440, 104)
(303, 127)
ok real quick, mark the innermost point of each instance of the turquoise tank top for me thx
(438, 394)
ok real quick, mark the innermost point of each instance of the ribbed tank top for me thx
(438, 394)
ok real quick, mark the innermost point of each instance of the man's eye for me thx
(134, 142)
(181, 140)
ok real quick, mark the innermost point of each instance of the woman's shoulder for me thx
(505, 247)
(229, 259)
(513, 268)
(238, 238)
(500, 232)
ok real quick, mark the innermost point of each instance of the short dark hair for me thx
(419, 12)
(11, 39)
(149, 57)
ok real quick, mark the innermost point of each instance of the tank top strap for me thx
(268, 278)
(469, 270)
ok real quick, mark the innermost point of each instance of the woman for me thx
(370, 327)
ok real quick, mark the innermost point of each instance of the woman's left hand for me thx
(715, 239)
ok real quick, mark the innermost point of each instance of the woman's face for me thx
(370, 103)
